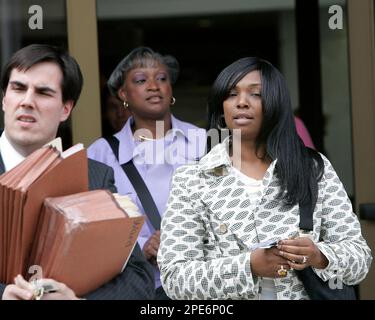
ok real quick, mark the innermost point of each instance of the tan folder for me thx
(69, 176)
(23, 189)
(50, 219)
(12, 207)
(85, 239)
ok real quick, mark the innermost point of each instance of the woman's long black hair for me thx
(298, 168)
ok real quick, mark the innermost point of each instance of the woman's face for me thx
(148, 91)
(243, 107)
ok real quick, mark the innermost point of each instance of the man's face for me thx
(33, 106)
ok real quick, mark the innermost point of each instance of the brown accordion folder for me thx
(83, 242)
(45, 173)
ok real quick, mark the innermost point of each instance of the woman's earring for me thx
(173, 101)
(125, 104)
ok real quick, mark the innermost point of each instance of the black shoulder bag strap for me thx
(315, 287)
(139, 185)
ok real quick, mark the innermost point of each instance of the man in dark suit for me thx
(41, 84)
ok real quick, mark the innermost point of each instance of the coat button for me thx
(223, 228)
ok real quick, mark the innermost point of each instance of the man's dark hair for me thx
(33, 54)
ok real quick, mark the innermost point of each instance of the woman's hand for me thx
(302, 253)
(268, 263)
(151, 247)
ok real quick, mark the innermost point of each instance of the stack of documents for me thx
(49, 218)
(45, 173)
(84, 240)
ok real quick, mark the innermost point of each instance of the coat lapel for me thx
(224, 196)
(226, 199)
(2, 167)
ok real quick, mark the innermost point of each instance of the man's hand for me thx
(23, 290)
(151, 247)
(20, 290)
(59, 290)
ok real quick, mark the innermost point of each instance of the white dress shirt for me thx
(11, 157)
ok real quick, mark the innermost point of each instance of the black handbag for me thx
(316, 288)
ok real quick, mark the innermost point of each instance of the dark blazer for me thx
(137, 280)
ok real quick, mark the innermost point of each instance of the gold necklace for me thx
(144, 138)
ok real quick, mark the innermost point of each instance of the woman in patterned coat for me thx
(225, 211)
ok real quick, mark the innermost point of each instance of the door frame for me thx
(83, 45)
(362, 83)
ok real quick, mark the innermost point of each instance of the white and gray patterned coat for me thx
(209, 225)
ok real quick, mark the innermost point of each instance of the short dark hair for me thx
(138, 58)
(298, 168)
(33, 54)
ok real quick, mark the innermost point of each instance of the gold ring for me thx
(282, 272)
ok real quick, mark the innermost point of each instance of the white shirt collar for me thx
(11, 157)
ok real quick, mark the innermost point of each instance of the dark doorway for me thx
(203, 45)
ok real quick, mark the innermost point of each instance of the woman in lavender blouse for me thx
(152, 138)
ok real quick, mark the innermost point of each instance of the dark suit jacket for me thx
(137, 280)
